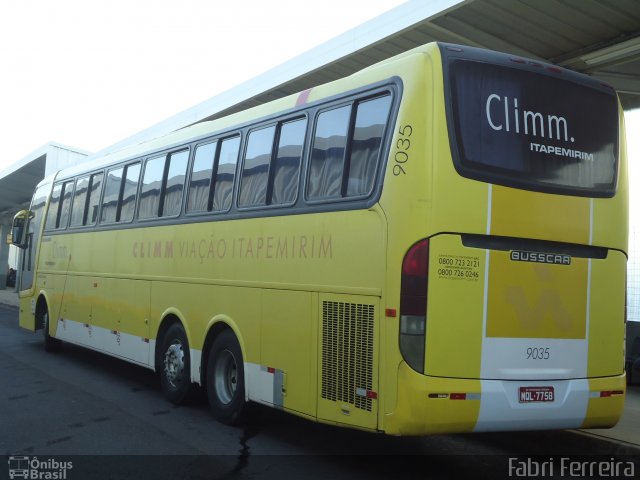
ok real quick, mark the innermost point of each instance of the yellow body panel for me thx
(288, 315)
(533, 300)
(606, 331)
(262, 276)
(453, 348)
(604, 412)
(419, 414)
(520, 213)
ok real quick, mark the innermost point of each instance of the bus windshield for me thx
(533, 126)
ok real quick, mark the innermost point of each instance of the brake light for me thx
(413, 304)
(611, 393)
(413, 294)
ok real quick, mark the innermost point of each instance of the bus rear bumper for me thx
(430, 405)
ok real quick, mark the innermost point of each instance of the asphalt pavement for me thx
(9, 297)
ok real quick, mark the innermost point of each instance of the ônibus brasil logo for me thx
(35, 469)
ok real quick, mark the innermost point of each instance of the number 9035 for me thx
(538, 353)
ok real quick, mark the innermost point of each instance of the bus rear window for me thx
(545, 130)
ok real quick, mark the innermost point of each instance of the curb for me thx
(623, 447)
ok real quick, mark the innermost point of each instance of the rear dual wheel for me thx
(225, 379)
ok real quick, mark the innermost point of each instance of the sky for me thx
(90, 73)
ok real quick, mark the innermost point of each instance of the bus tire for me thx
(175, 365)
(225, 379)
(50, 344)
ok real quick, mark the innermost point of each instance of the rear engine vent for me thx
(347, 353)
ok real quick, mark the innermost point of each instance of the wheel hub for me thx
(226, 377)
(174, 363)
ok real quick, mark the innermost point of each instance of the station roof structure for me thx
(597, 37)
(18, 182)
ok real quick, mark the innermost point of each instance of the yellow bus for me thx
(434, 244)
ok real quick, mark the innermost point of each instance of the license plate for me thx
(535, 394)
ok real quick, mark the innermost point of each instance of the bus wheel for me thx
(175, 365)
(50, 344)
(225, 379)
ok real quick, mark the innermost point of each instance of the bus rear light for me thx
(412, 325)
(610, 393)
(361, 392)
(413, 292)
(416, 260)
(413, 304)
(439, 395)
(455, 396)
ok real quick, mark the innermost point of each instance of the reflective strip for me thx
(112, 342)
(264, 384)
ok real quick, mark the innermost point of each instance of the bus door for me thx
(29, 254)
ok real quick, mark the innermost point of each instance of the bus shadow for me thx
(103, 365)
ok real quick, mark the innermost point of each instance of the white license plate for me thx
(535, 394)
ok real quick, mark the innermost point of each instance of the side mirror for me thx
(18, 235)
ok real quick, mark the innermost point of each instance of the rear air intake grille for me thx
(347, 353)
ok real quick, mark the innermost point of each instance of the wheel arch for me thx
(42, 304)
(216, 326)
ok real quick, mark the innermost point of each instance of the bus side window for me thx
(129, 193)
(151, 187)
(286, 165)
(54, 203)
(111, 195)
(94, 199)
(79, 201)
(225, 174)
(65, 204)
(201, 175)
(255, 173)
(327, 154)
(371, 119)
(174, 185)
